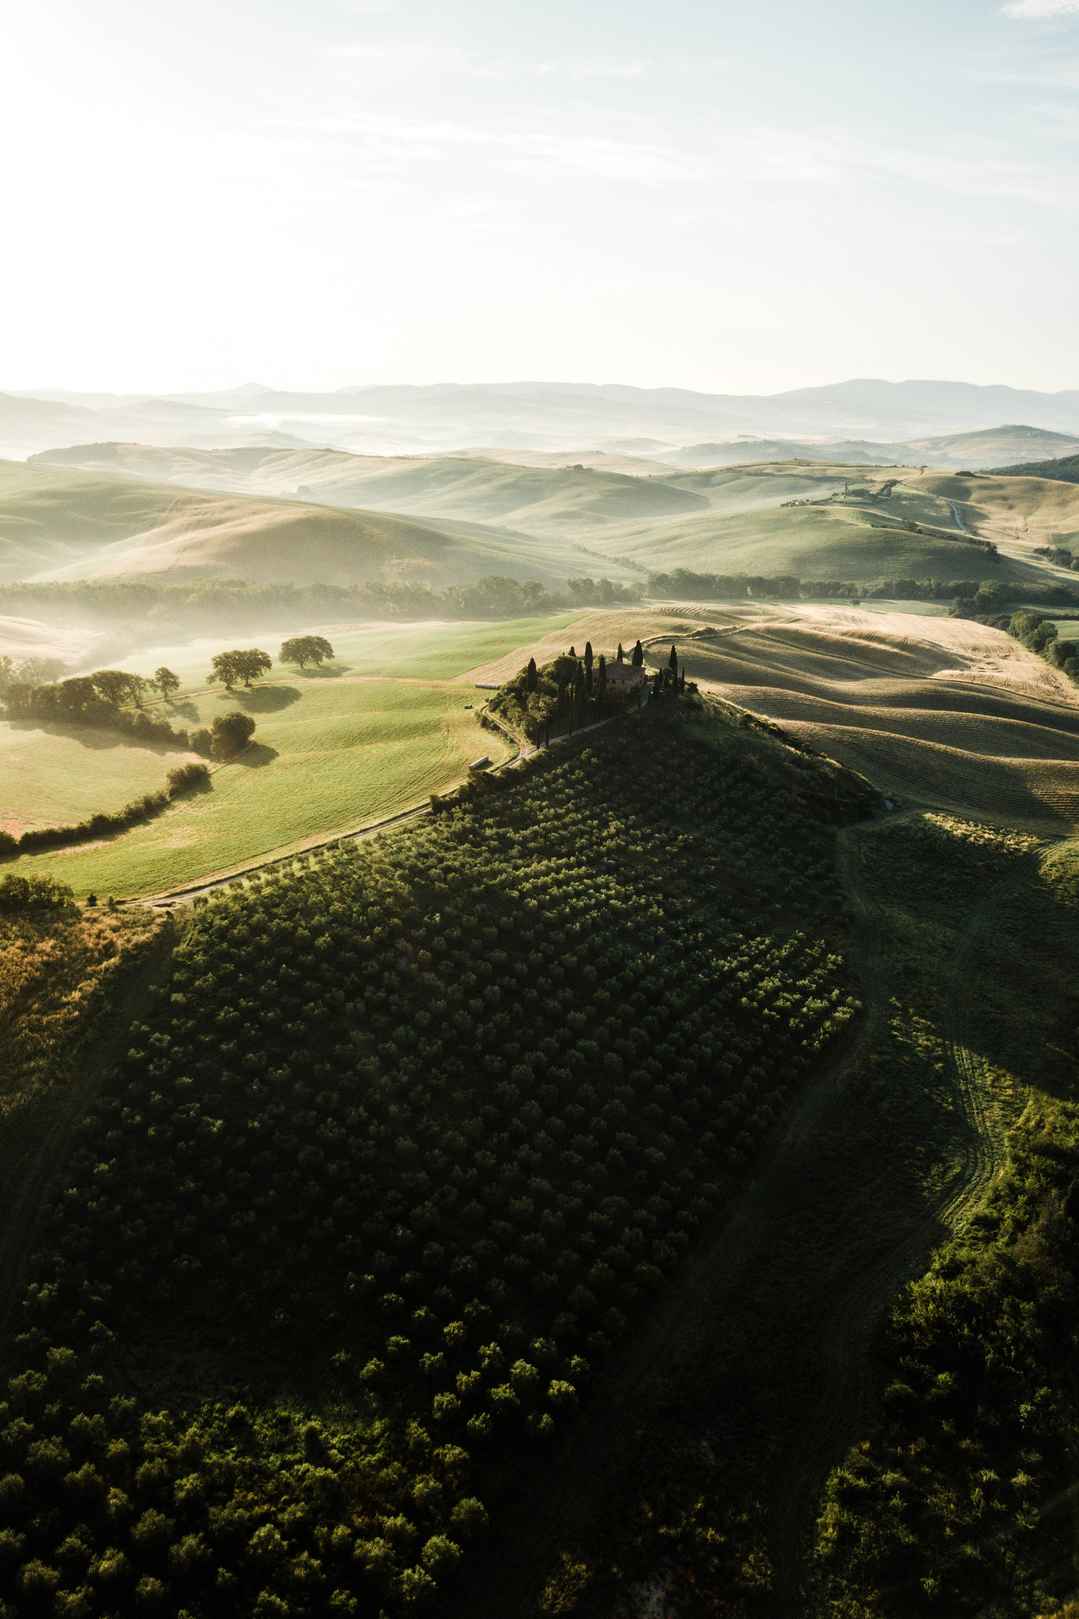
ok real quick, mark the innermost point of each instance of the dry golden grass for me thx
(604, 627)
(933, 711)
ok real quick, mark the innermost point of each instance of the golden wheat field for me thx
(934, 711)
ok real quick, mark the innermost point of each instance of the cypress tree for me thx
(601, 679)
(588, 657)
(621, 653)
(532, 676)
(672, 661)
(638, 655)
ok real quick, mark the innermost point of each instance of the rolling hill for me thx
(572, 412)
(65, 525)
(989, 448)
(1065, 469)
(549, 416)
(455, 512)
(940, 711)
(540, 500)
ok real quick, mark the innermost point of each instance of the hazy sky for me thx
(740, 196)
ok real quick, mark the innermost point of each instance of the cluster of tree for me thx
(1062, 555)
(27, 671)
(589, 592)
(1041, 636)
(235, 604)
(99, 699)
(244, 665)
(34, 896)
(686, 585)
(433, 1120)
(567, 693)
(957, 1504)
(183, 779)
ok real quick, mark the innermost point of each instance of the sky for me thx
(735, 197)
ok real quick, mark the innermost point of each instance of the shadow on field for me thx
(256, 754)
(97, 740)
(263, 699)
(324, 673)
(186, 710)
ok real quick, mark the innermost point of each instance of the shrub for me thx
(231, 734)
(187, 779)
(26, 895)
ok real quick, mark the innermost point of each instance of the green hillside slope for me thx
(75, 525)
(391, 1169)
(532, 499)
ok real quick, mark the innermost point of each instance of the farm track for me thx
(102, 1047)
(390, 823)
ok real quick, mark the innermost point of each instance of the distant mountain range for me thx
(553, 416)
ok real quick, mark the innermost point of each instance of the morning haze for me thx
(539, 811)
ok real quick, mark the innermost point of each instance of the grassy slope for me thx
(959, 1499)
(329, 755)
(530, 499)
(347, 748)
(56, 775)
(952, 714)
(1023, 512)
(829, 542)
(726, 520)
(80, 525)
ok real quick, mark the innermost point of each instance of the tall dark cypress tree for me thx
(601, 679)
(588, 657)
(532, 676)
(638, 655)
(672, 662)
(621, 653)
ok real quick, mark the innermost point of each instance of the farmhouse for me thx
(623, 677)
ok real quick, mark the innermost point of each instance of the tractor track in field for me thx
(844, 1404)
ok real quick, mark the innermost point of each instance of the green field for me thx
(426, 650)
(375, 732)
(333, 755)
(54, 776)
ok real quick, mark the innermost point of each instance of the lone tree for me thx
(232, 667)
(532, 677)
(305, 649)
(672, 662)
(231, 734)
(601, 679)
(166, 682)
(638, 655)
(621, 653)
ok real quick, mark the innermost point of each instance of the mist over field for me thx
(539, 811)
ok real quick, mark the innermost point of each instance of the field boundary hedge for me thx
(183, 779)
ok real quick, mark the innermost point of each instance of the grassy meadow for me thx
(377, 731)
(328, 755)
(53, 775)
